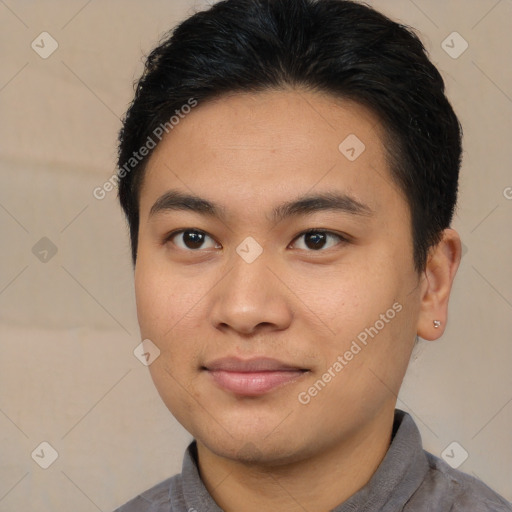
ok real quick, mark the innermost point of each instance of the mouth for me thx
(252, 377)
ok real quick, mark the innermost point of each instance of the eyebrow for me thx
(174, 200)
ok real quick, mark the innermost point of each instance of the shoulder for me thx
(155, 499)
(462, 492)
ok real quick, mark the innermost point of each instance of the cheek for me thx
(162, 314)
(350, 296)
(168, 314)
(360, 303)
(162, 297)
(149, 300)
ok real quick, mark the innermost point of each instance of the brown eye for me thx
(318, 239)
(192, 239)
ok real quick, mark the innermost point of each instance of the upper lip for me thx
(257, 364)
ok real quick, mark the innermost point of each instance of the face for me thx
(284, 299)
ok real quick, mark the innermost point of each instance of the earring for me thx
(437, 323)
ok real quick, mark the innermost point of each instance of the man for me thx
(289, 172)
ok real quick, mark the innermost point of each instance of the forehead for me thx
(255, 146)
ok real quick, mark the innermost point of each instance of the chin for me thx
(254, 447)
(255, 452)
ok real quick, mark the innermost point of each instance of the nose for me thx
(251, 298)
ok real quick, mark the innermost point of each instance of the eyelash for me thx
(343, 239)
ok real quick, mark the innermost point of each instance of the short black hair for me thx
(340, 47)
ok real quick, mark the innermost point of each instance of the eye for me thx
(192, 239)
(317, 239)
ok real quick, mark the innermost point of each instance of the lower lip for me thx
(253, 383)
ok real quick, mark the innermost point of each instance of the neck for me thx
(320, 482)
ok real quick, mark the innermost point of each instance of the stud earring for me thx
(437, 323)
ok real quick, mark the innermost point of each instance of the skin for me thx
(297, 303)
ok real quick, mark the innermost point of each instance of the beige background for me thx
(68, 326)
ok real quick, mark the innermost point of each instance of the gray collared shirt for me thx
(408, 479)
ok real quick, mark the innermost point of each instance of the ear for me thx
(442, 265)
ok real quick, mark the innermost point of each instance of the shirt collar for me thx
(398, 476)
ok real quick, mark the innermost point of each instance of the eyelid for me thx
(344, 239)
(167, 238)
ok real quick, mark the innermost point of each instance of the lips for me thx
(252, 377)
